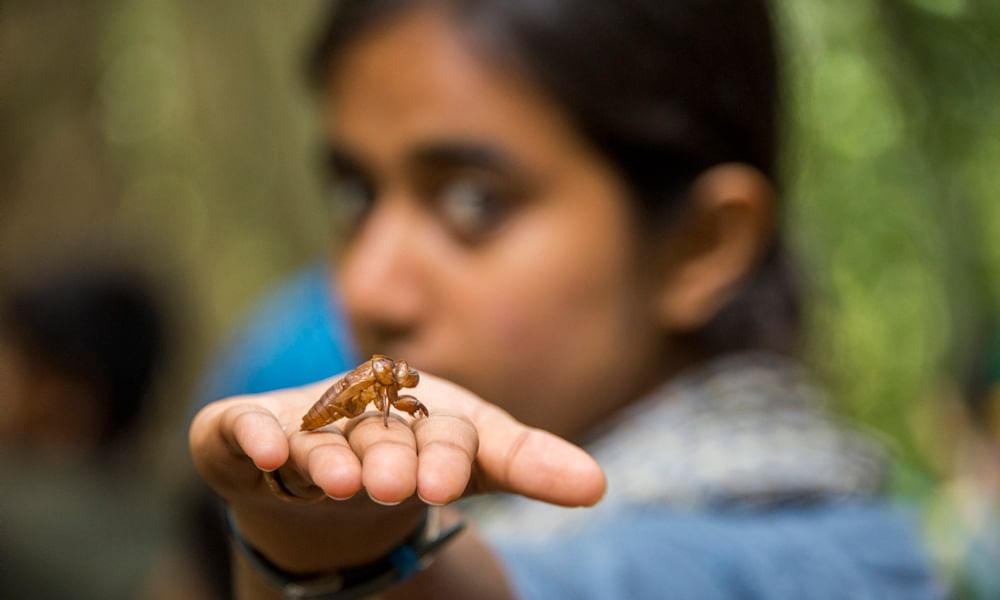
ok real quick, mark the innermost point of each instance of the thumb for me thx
(531, 462)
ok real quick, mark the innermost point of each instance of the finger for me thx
(388, 457)
(447, 444)
(531, 462)
(249, 430)
(327, 461)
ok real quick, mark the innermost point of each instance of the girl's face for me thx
(489, 243)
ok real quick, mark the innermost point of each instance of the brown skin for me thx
(560, 309)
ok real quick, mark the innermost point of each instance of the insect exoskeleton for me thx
(377, 380)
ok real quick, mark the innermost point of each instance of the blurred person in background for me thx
(573, 213)
(80, 348)
(82, 343)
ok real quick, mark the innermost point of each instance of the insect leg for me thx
(371, 395)
(386, 402)
(411, 405)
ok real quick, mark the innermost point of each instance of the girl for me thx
(565, 215)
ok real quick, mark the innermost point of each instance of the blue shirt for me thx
(294, 336)
(855, 549)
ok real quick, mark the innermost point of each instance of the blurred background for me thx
(168, 146)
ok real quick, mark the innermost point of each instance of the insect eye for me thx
(400, 371)
(383, 371)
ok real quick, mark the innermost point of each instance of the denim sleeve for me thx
(855, 550)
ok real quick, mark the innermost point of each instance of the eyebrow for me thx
(440, 154)
(456, 154)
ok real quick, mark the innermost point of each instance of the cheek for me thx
(555, 333)
(553, 303)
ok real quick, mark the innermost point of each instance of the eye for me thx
(352, 198)
(471, 208)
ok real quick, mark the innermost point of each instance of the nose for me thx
(379, 274)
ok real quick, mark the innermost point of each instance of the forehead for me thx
(415, 80)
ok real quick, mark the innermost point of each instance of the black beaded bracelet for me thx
(414, 554)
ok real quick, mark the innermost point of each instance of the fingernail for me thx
(428, 502)
(339, 499)
(382, 502)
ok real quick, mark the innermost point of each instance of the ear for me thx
(724, 229)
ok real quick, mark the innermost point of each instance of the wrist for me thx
(411, 555)
(327, 536)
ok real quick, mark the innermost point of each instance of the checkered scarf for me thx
(744, 429)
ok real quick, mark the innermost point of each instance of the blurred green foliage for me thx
(183, 131)
(894, 170)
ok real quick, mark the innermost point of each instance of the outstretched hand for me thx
(466, 446)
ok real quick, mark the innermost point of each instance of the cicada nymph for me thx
(377, 380)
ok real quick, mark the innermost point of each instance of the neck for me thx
(661, 369)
